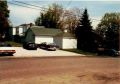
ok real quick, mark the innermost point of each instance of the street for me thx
(14, 70)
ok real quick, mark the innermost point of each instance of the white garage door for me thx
(69, 43)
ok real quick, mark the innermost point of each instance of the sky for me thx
(96, 9)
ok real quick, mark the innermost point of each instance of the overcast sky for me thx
(96, 9)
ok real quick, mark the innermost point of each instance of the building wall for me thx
(20, 31)
(69, 43)
(41, 39)
(58, 41)
(13, 31)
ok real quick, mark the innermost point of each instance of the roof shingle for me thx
(42, 31)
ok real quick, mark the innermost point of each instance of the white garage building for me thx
(65, 40)
(40, 34)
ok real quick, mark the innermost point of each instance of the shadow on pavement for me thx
(3, 55)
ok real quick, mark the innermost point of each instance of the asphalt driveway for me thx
(20, 52)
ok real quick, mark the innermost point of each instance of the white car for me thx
(6, 49)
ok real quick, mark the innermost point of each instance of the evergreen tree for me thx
(85, 34)
(38, 21)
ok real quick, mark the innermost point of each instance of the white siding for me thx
(69, 43)
(40, 39)
(13, 31)
(17, 31)
(20, 31)
(58, 41)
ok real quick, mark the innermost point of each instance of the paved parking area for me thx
(20, 52)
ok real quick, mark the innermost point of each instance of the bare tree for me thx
(69, 19)
(57, 17)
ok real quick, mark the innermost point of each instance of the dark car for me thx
(30, 46)
(112, 52)
(42, 45)
(48, 46)
(108, 52)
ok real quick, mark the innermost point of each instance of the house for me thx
(17, 33)
(21, 29)
(39, 34)
(66, 40)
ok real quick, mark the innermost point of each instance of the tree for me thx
(108, 28)
(4, 14)
(38, 21)
(84, 34)
(57, 17)
(50, 17)
(70, 19)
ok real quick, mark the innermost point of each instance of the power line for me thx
(23, 6)
(30, 4)
(26, 6)
(40, 8)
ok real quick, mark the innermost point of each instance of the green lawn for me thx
(14, 44)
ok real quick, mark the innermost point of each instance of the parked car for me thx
(30, 46)
(48, 46)
(108, 52)
(112, 52)
(6, 49)
(42, 45)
